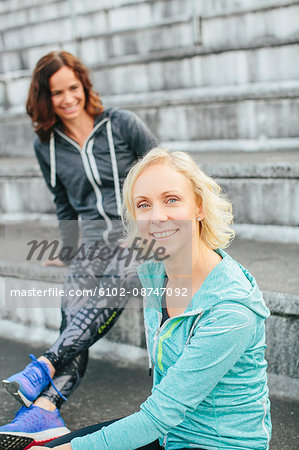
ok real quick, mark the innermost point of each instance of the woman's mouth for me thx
(162, 235)
(70, 109)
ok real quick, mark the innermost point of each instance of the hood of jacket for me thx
(228, 281)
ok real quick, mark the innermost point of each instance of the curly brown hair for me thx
(39, 104)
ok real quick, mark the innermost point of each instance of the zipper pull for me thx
(164, 442)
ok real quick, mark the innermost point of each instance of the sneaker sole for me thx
(12, 387)
(14, 442)
(20, 440)
(38, 443)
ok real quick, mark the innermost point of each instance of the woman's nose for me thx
(158, 214)
(67, 98)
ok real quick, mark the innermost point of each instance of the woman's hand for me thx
(55, 262)
(59, 447)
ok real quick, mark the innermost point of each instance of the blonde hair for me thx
(215, 228)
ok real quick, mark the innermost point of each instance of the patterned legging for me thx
(87, 315)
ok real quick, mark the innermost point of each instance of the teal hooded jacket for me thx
(210, 383)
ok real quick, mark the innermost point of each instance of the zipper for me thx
(263, 423)
(92, 161)
(193, 326)
(147, 348)
(164, 441)
(87, 148)
(162, 338)
(155, 345)
(114, 167)
(74, 143)
(160, 329)
(52, 161)
(91, 171)
(98, 194)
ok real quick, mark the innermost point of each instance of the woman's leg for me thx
(85, 319)
(66, 380)
(87, 315)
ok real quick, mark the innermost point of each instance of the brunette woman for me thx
(84, 152)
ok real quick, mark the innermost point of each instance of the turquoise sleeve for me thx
(128, 433)
(221, 337)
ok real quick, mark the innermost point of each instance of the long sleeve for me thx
(136, 133)
(219, 340)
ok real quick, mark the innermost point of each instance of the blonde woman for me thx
(204, 317)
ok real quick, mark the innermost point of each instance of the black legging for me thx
(86, 318)
(92, 429)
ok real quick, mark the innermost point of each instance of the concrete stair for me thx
(162, 45)
(175, 69)
(263, 187)
(271, 264)
(264, 114)
(139, 27)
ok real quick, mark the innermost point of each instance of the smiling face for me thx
(165, 208)
(67, 94)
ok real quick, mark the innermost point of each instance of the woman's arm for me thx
(136, 133)
(218, 343)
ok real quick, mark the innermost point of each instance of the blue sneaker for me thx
(26, 385)
(31, 424)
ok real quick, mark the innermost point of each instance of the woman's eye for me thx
(74, 87)
(54, 94)
(172, 200)
(142, 205)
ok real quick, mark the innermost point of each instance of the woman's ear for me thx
(199, 210)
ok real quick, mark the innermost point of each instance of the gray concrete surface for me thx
(109, 391)
(262, 188)
(133, 27)
(274, 265)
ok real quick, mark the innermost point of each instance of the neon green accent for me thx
(165, 336)
(102, 328)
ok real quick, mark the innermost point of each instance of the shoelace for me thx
(33, 376)
(45, 374)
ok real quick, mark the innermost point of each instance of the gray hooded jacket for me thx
(87, 181)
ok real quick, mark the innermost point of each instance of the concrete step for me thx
(106, 15)
(22, 187)
(120, 29)
(275, 267)
(216, 7)
(253, 232)
(17, 15)
(252, 111)
(22, 49)
(142, 29)
(269, 24)
(16, 133)
(263, 187)
(10, 5)
(219, 7)
(169, 70)
(249, 111)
